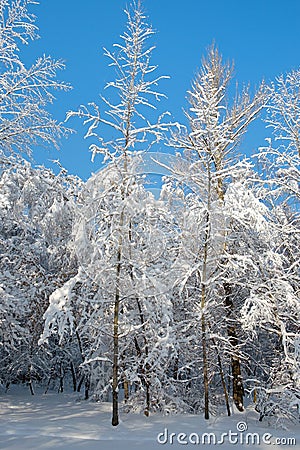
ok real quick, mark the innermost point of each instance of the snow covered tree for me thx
(36, 210)
(135, 90)
(216, 128)
(107, 226)
(25, 91)
(273, 308)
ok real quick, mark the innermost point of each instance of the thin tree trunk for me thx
(222, 379)
(86, 387)
(221, 371)
(126, 390)
(73, 376)
(115, 393)
(147, 367)
(224, 386)
(30, 383)
(84, 376)
(80, 383)
(146, 370)
(203, 319)
(147, 409)
(176, 368)
(237, 381)
(204, 300)
(205, 368)
(142, 319)
(61, 379)
(48, 384)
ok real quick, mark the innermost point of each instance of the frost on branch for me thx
(17, 26)
(25, 91)
(129, 111)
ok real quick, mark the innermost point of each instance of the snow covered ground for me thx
(65, 423)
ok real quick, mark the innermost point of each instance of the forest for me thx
(182, 302)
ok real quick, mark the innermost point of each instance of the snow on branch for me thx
(133, 91)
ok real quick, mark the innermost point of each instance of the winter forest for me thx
(181, 302)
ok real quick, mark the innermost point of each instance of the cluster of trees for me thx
(186, 302)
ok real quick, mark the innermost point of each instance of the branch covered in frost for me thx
(135, 91)
(25, 91)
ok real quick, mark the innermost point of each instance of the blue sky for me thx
(262, 37)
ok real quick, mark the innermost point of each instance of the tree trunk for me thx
(203, 277)
(30, 382)
(203, 303)
(126, 390)
(139, 351)
(73, 376)
(87, 387)
(147, 367)
(61, 378)
(205, 368)
(115, 393)
(237, 381)
(222, 378)
(80, 383)
(147, 409)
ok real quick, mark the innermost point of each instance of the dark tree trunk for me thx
(73, 376)
(30, 384)
(237, 380)
(80, 383)
(87, 387)
(61, 379)
(115, 394)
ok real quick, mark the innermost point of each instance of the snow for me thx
(66, 423)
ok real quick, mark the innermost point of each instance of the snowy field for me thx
(65, 423)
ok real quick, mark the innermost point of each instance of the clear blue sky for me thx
(262, 37)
